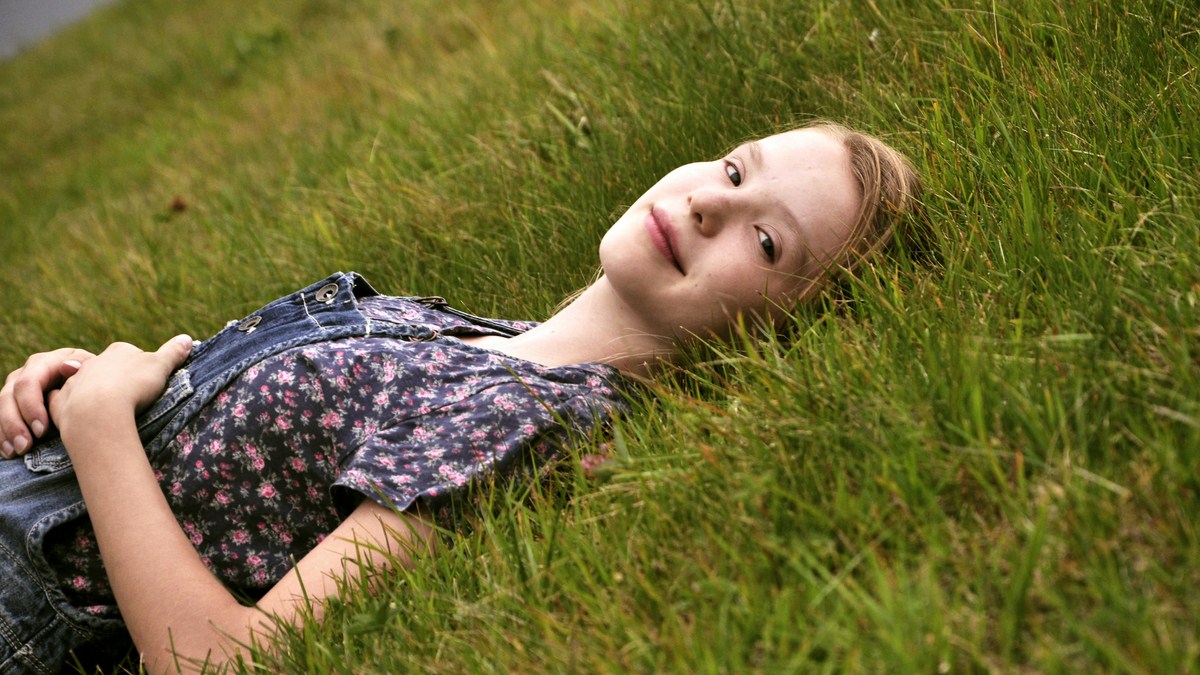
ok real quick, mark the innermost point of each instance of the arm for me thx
(23, 415)
(176, 611)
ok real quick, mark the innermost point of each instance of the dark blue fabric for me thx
(38, 628)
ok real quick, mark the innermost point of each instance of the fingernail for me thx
(38, 428)
(20, 444)
(185, 338)
(73, 363)
(7, 450)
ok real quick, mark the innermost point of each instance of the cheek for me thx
(730, 291)
(827, 243)
(618, 242)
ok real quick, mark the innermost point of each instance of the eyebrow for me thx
(755, 152)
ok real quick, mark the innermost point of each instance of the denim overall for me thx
(38, 628)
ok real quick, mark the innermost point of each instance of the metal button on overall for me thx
(327, 293)
(249, 324)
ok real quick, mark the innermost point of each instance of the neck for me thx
(595, 326)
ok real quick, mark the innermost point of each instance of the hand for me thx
(23, 415)
(120, 380)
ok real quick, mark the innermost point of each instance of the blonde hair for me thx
(889, 187)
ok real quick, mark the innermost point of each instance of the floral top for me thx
(290, 447)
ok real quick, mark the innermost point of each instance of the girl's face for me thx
(744, 234)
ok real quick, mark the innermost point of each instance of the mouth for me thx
(662, 235)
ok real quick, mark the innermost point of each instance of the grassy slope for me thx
(994, 466)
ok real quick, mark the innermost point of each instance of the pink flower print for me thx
(193, 533)
(254, 561)
(298, 464)
(223, 497)
(177, 488)
(79, 583)
(283, 422)
(331, 420)
(223, 398)
(239, 410)
(451, 474)
(591, 463)
(355, 477)
(478, 435)
(527, 429)
(285, 377)
(240, 536)
(267, 491)
(505, 402)
(259, 463)
(389, 371)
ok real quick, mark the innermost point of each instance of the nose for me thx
(709, 210)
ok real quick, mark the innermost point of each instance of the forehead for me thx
(806, 156)
(807, 175)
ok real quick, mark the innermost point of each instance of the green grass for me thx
(991, 466)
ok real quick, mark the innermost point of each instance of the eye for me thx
(767, 244)
(734, 175)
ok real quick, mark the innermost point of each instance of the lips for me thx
(658, 225)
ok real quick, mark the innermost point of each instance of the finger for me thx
(23, 415)
(30, 396)
(69, 367)
(73, 362)
(51, 399)
(176, 350)
(15, 436)
(9, 415)
(30, 389)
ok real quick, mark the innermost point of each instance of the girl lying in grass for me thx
(327, 430)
